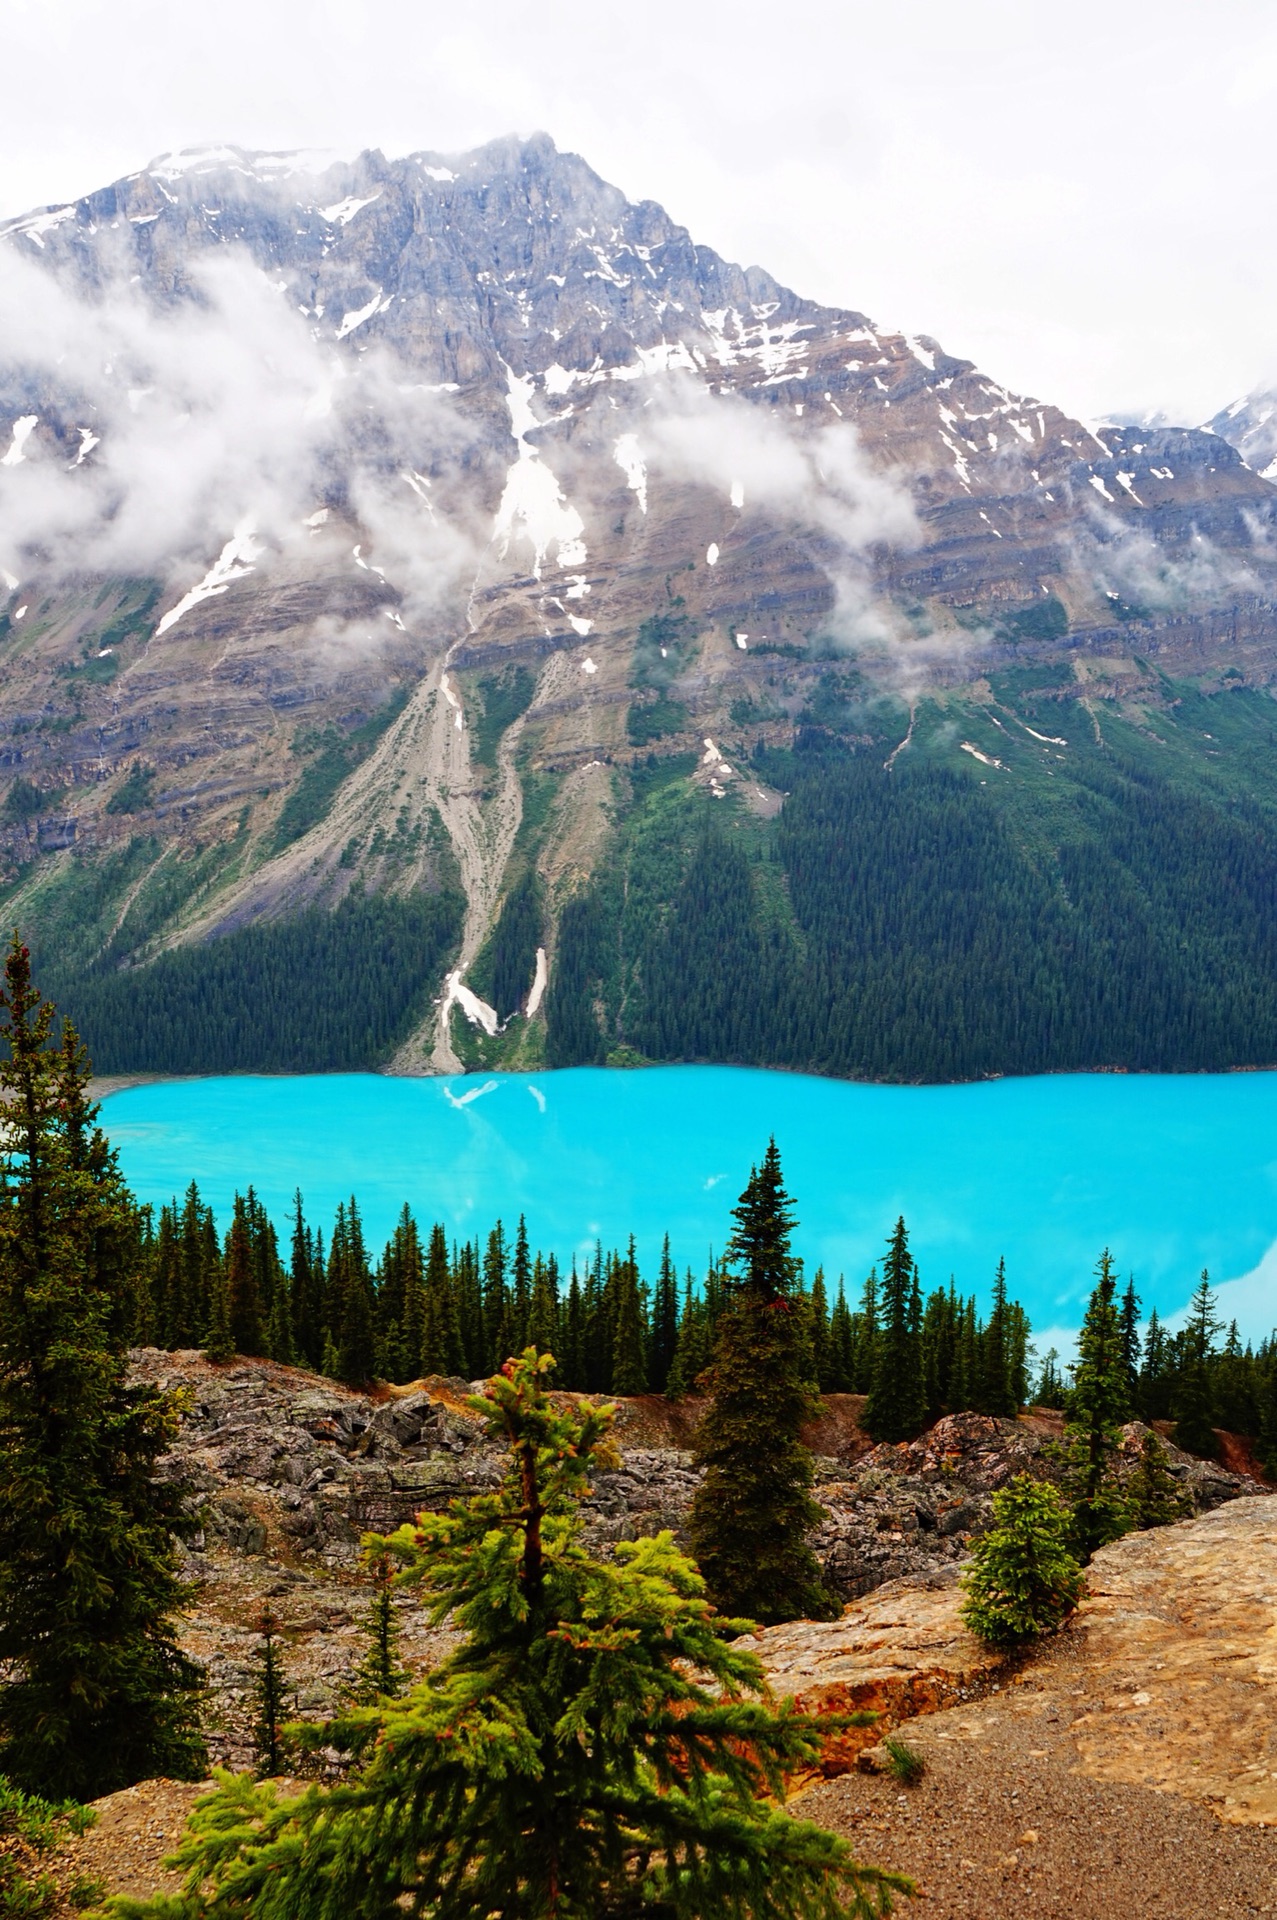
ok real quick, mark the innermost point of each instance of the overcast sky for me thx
(1079, 197)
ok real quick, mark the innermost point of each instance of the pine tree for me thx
(1022, 1580)
(664, 1322)
(572, 1342)
(1266, 1396)
(1096, 1407)
(753, 1510)
(1192, 1398)
(691, 1349)
(821, 1345)
(543, 1310)
(248, 1331)
(269, 1691)
(467, 1287)
(867, 1334)
(1050, 1388)
(381, 1674)
(305, 1296)
(595, 1746)
(996, 1393)
(1130, 1317)
(520, 1291)
(1154, 1397)
(1153, 1491)
(496, 1305)
(1233, 1403)
(167, 1280)
(629, 1373)
(897, 1399)
(350, 1289)
(219, 1346)
(96, 1694)
(841, 1343)
(441, 1346)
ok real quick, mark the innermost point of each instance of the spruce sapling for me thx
(1153, 1491)
(269, 1685)
(380, 1674)
(1022, 1580)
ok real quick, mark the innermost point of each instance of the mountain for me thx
(1250, 426)
(440, 579)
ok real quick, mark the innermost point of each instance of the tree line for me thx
(428, 1305)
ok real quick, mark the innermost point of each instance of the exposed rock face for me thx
(298, 1469)
(1180, 1647)
(1250, 426)
(901, 1653)
(551, 415)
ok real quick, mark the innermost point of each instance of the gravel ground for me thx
(1002, 1827)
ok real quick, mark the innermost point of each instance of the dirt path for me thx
(1004, 1825)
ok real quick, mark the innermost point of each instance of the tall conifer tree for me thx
(1096, 1409)
(1192, 1400)
(897, 1399)
(664, 1336)
(753, 1511)
(96, 1693)
(248, 1331)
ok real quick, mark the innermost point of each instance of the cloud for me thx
(1127, 564)
(818, 480)
(218, 412)
(822, 478)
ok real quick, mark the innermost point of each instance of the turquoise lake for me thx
(1173, 1173)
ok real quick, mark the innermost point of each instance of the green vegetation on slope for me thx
(324, 992)
(1086, 888)
(330, 756)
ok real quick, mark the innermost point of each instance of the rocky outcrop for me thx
(1179, 1645)
(280, 1463)
(900, 1653)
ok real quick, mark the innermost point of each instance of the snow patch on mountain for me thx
(234, 561)
(533, 506)
(22, 431)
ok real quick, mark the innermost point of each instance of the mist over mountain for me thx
(384, 531)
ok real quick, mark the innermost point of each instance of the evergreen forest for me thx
(1052, 879)
(319, 1296)
(928, 924)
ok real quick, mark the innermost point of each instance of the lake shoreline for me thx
(102, 1086)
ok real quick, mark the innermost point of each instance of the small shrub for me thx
(906, 1764)
(29, 1829)
(1022, 1580)
(1156, 1498)
(133, 795)
(86, 1890)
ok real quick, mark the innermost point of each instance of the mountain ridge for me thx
(422, 502)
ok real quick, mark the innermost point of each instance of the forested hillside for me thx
(995, 902)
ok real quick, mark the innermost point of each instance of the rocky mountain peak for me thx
(282, 435)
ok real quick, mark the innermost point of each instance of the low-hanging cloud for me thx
(208, 414)
(821, 478)
(818, 479)
(1129, 565)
